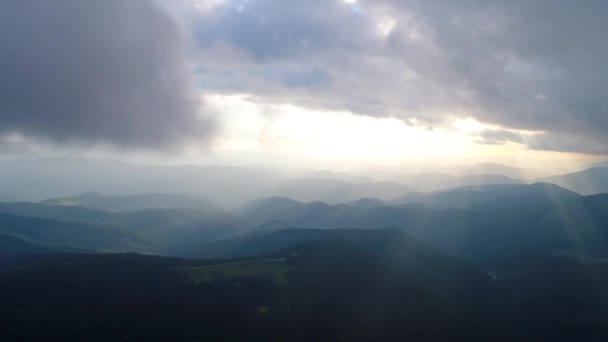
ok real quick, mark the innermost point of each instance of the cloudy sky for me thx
(321, 83)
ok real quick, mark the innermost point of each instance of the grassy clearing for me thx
(275, 269)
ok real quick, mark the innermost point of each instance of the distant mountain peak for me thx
(586, 182)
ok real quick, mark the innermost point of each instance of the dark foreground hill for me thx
(346, 285)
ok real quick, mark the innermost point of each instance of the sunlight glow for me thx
(261, 132)
(385, 26)
(334, 135)
(469, 125)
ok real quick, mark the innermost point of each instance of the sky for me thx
(326, 84)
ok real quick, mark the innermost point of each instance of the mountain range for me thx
(491, 262)
(477, 223)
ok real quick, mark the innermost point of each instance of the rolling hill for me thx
(554, 222)
(164, 231)
(29, 234)
(13, 245)
(478, 223)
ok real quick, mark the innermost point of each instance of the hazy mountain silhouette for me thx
(539, 218)
(334, 191)
(319, 214)
(132, 202)
(521, 172)
(367, 203)
(478, 223)
(439, 181)
(587, 182)
(487, 195)
(225, 186)
(311, 214)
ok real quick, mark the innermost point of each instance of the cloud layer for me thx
(119, 72)
(111, 71)
(524, 65)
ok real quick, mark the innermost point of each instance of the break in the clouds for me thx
(110, 71)
(523, 66)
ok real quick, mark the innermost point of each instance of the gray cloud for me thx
(529, 65)
(524, 65)
(111, 71)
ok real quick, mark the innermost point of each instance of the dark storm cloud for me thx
(525, 65)
(107, 71)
